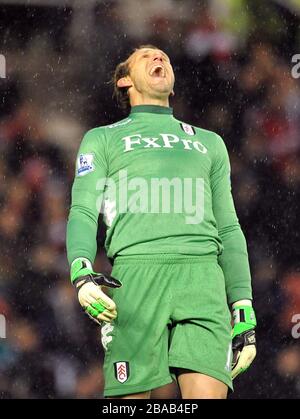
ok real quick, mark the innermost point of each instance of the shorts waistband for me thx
(164, 259)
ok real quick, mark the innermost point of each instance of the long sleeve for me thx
(234, 258)
(87, 193)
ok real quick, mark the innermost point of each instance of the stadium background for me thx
(233, 62)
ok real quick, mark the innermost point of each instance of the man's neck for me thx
(149, 101)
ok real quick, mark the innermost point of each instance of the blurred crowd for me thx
(233, 76)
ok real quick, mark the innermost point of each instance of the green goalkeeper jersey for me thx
(164, 188)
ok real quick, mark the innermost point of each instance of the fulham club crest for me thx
(188, 129)
(121, 371)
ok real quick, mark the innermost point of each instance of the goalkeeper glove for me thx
(243, 337)
(97, 305)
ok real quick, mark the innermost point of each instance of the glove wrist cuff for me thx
(243, 319)
(80, 267)
(244, 314)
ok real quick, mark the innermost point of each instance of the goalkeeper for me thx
(181, 271)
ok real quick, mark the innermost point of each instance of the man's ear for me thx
(172, 93)
(124, 82)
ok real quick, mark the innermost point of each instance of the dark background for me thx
(233, 63)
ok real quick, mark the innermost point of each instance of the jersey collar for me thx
(152, 109)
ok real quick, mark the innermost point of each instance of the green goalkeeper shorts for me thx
(172, 313)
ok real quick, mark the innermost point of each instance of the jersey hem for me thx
(164, 258)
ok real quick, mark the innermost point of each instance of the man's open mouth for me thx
(157, 71)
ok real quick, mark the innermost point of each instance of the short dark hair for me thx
(122, 70)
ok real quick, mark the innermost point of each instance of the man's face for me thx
(151, 72)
